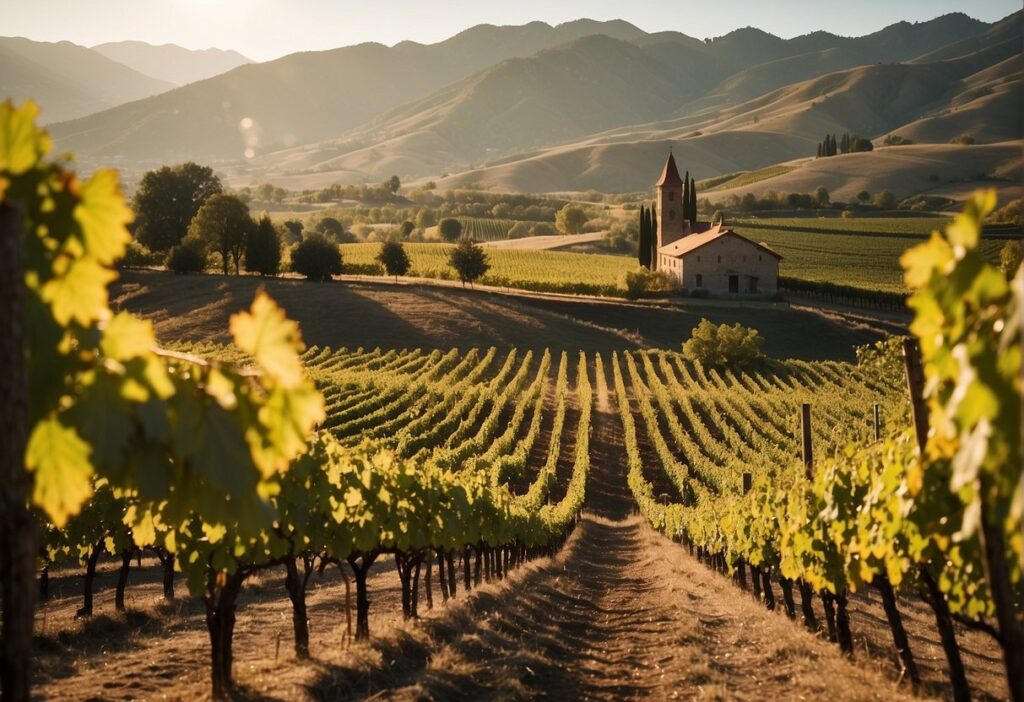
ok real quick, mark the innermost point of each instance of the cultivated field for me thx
(619, 612)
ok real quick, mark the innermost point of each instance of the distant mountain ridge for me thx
(68, 80)
(170, 62)
(518, 97)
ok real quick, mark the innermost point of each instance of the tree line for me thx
(848, 144)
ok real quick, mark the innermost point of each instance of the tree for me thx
(1009, 258)
(406, 229)
(863, 196)
(654, 236)
(187, 257)
(859, 144)
(333, 229)
(394, 259)
(317, 258)
(223, 225)
(393, 184)
(425, 218)
(265, 192)
(692, 215)
(469, 261)
(263, 248)
(885, 200)
(821, 195)
(168, 199)
(722, 345)
(643, 249)
(294, 228)
(450, 228)
(570, 219)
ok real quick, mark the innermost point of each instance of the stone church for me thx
(708, 256)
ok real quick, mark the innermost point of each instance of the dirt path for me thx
(620, 613)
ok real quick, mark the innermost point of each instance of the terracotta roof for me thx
(692, 242)
(670, 174)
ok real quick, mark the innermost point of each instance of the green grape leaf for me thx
(126, 337)
(22, 144)
(59, 460)
(104, 217)
(273, 340)
(80, 294)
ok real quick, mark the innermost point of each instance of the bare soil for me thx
(619, 613)
(383, 314)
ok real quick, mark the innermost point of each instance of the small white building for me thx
(705, 256)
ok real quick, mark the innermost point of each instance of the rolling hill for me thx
(68, 80)
(303, 97)
(170, 62)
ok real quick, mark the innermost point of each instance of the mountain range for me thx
(569, 107)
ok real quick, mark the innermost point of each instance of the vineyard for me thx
(510, 475)
(544, 271)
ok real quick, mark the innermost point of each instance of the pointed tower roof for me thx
(670, 175)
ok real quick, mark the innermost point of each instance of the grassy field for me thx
(531, 270)
(860, 252)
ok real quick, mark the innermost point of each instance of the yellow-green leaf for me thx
(59, 460)
(22, 144)
(271, 339)
(127, 337)
(80, 294)
(104, 217)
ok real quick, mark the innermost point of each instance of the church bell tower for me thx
(671, 219)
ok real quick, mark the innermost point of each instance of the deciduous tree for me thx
(223, 225)
(469, 261)
(168, 199)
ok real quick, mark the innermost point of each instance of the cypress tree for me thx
(819, 149)
(835, 146)
(643, 249)
(686, 196)
(654, 239)
(693, 200)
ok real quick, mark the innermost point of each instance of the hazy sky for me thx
(266, 29)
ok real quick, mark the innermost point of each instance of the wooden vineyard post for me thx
(878, 422)
(805, 443)
(934, 597)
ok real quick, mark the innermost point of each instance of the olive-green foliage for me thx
(166, 201)
(1010, 258)
(316, 258)
(570, 219)
(263, 248)
(223, 225)
(469, 261)
(643, 281)
(394, 259)
(187, 257)
(723, 345)
(450, 229)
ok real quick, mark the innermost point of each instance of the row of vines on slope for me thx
(210, 459)
(935, 511)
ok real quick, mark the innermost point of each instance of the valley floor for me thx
(383, 314)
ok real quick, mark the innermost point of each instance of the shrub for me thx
(721, 344)
(316, 258)
(518, 231)
(138, 256)
(543, 229)
(642, 282)
(187, 257)
(449, 228)
(964, 139)
(1010, 258)
(885, 200)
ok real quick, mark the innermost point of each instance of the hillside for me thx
(303, 97)
(366, 111)
(170, 62)
(68, 80)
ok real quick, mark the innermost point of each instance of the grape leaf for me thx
(104, 217)
(80, 294)
(60, 461)
(271, 339)
(22, 144)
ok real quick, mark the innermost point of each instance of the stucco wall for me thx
(725, 256)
